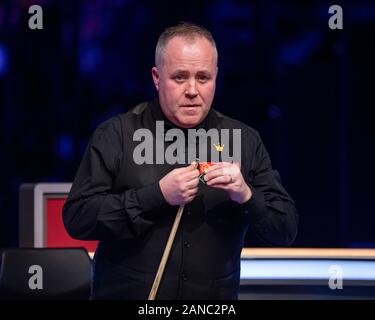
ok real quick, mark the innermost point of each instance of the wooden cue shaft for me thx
(163, 262)
(164, 259)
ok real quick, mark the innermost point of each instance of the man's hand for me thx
(180, 185)
(228, 176)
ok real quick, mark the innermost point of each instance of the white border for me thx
(40, 191)
(284, 269)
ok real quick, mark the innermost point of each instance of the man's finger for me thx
(187, 168)
(192, 183)
(218, 165)
(213, 173)
(213, 168)
(190, 175)
(192, 192)
(219, 180)
(192, 166)
(223, 186)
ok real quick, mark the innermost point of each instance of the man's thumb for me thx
(237, 164)
(193, 165)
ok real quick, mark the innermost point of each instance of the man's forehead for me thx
(186, 66)
(182, 70)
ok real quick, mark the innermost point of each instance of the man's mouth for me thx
(190, 106)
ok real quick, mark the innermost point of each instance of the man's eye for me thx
(179, 78)
(203, 78)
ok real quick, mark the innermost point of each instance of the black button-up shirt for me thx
(120, 203)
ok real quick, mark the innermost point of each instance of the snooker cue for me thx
(163, 262)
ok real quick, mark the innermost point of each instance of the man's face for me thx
(186, 80)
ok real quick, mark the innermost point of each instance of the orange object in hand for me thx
(205, 165)
(202, 167)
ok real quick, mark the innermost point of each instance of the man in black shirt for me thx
(130, 207)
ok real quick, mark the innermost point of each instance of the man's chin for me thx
(189, 120)
(190, 123)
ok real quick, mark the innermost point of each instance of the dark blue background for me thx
(307, 89)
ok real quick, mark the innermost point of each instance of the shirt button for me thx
(187, 244)
(184, 277)
(188, 212)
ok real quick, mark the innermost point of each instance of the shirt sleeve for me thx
(93, 211)
(273, 216)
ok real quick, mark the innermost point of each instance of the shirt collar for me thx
(158, 115)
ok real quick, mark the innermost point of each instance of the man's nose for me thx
(191, 90)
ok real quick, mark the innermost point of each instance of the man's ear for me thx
(155, 77)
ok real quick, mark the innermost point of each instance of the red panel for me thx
(56, 235)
